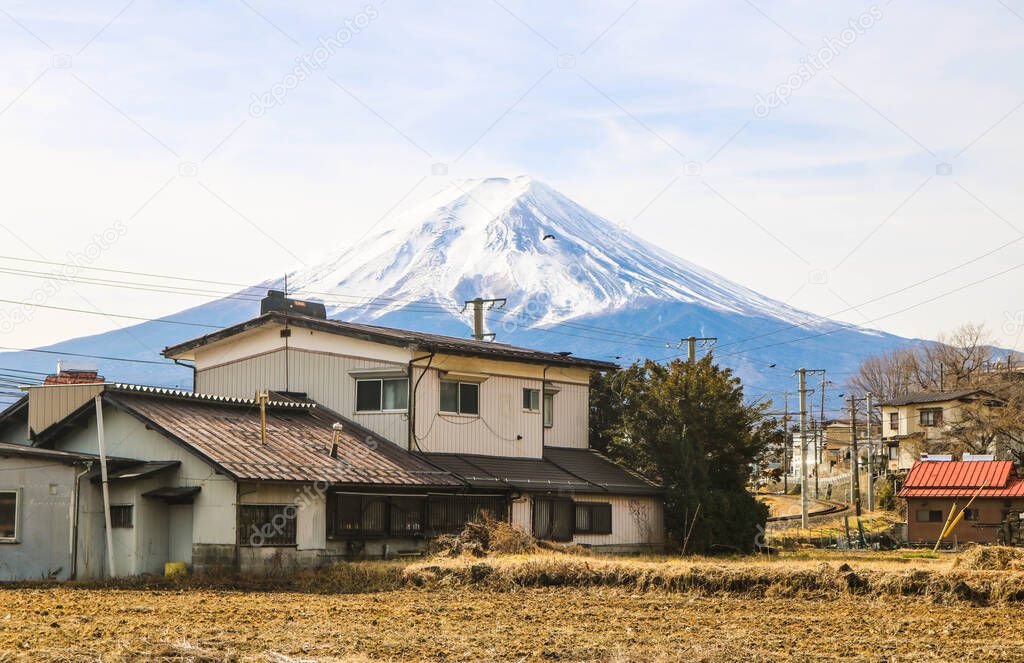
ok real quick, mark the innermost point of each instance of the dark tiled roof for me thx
(599, 470)
(922, 397)
(525, 474)
(400, 337)
(299, 436)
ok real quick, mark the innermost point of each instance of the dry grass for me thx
(990, 558)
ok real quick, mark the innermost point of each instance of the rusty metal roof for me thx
(962, 479)
(400, 337)
(226, 432)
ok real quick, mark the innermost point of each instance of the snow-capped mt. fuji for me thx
(520, 239)
(574, 282)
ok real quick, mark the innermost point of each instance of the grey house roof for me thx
(925, 397)
(399, 337)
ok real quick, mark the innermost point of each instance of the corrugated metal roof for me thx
(599, 470)
(400, 337)
(7, 449)
(962, 478)
(526, 474)
(299, 438)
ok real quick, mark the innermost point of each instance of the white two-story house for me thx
(307, 440)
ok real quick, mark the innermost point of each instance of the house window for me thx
(894, 453)
(894, 421)
(593, 518)
(549, 410)
(531, 400)
(929, 516)
(553, 518)
(931, 417)
(381, 395)
(267, 524)
(972, 514)
(369, 516)
(460, 397)
(9, 515)
(122, 516)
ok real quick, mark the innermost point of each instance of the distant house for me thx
(921, 422)
(370, 441)
(933, 487)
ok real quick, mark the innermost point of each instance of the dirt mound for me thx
(990, 558)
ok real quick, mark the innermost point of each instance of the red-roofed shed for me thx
(933, 487)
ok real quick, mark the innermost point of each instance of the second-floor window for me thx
(532, 402)
(381, 395)
(931, 417)
(894, 421)
(460, 397)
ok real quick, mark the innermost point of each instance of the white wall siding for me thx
(324, 377)
(637, 520)
(572, 415)
(494, 432)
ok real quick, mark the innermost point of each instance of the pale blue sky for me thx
(646, 112)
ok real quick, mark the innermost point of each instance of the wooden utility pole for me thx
(786, 445)
(871, 458)
(478, 315)
(854, 461)
(802, 374)
(691, 346)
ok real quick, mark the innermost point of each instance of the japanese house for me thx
(307, 440)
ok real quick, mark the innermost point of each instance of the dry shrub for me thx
(486, 536)
(990, 558)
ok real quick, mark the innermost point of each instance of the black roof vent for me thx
(276, 302)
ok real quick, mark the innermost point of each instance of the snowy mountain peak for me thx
(516, 238)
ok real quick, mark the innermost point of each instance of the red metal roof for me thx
(962, 479)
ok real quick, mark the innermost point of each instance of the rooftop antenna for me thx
(478, 315)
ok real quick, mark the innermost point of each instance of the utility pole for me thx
(478, 315)
(802, 373)
(854, 460)
(786, 445)
(871, 458)
(691, 346)
(821, 443)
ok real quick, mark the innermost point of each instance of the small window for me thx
(931, 417)
(382, 395)
(894, 421)
(929, 516)
(894, 453)
(121, 516)
(549, 410)
(460, 397)
(972, 514)
(267, 524)
(593, 518)
(553, 518)
(531, 400)
(9, 515)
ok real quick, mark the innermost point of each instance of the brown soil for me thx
(58, 624)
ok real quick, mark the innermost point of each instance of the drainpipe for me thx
(74, 520)
(543, 428)
(412, 396)
(193, 367)
(106, 484)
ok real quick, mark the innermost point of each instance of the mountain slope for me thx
(574, 281)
